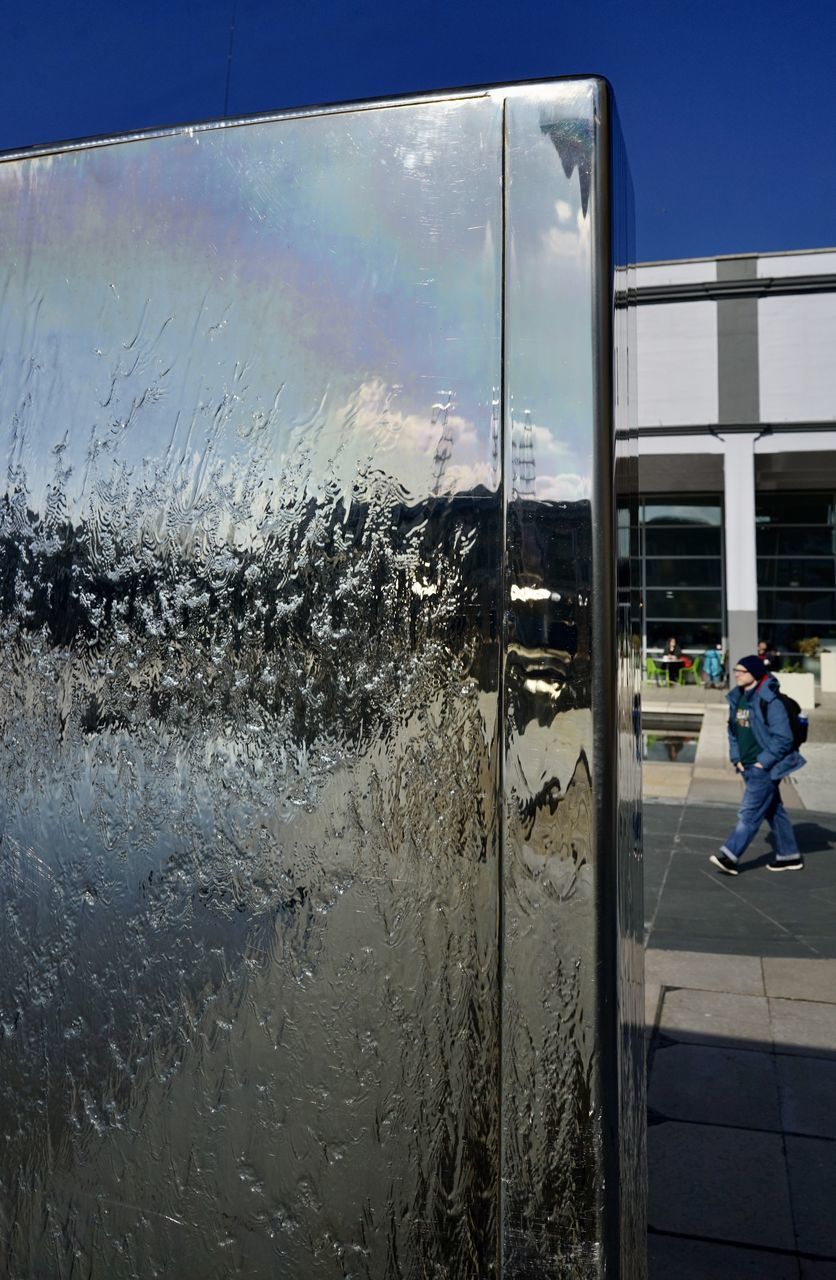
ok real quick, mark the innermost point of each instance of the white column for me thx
(741, 558)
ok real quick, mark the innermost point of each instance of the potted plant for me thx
(798, 679)
(809, 650)
(827, 658)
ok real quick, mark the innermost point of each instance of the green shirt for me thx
(747, 743)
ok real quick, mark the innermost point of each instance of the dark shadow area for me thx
(741, 1156)
(741, 1052)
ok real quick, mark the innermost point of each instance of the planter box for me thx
(828, 673)
(800, 685)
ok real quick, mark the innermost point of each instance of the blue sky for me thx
(728, 109)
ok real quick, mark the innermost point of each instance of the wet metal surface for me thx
(296, 582)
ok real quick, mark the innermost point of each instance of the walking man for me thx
(762, 750)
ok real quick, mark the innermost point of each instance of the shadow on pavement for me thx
(741, 1014)
(741, 1157)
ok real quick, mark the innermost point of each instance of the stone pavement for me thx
(741, 1013)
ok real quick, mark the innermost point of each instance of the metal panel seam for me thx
(502, 635)
(604, 683)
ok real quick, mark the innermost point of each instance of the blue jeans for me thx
(761, 799)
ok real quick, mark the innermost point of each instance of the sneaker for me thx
(786, 864)
(724, 863)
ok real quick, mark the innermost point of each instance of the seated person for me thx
(768, 655)
(672, 651)
(712, 668)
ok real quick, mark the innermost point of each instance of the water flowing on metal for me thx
(318, 851)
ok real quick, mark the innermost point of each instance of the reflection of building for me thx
(523, 465)
(737, 431)
(444, 448)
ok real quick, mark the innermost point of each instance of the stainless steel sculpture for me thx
(320, 845)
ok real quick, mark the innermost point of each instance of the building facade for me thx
(737, 437)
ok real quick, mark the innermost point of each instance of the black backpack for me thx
(798, 722)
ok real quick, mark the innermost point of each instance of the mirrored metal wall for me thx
(318, 813)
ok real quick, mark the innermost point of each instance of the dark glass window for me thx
(694, 603)
(628, 532)
(690, 635)
(797, 572)
(787, 635)
(797, 606)
(798, 541)
(795, 508)
(682, 542)
(682, 568)
(664, 511)
(670, 572)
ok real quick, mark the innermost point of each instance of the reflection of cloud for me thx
(373, 410)
(565, 240)
(546, 442)
(458, 478)
(567, 487)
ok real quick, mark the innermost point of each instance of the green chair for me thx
(654, 671)
(693, 670)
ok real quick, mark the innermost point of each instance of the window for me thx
(684, 604)
(662, 511)
(682, 569)
(796, 542)
(676, 571)
(660, 541)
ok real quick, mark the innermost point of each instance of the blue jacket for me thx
(772, 732)
(712, 664)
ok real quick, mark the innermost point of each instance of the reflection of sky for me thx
(549, 304)
(323, 278)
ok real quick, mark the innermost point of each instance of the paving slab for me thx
(669, 780)
(817, 1270)
(701, 819)
(802, 1026)
(767, 943)
(799, 979)
(713, 745)
(725, 791)
(807, 1089)
(727, 1184)
(780, 945)
(715, 1017)
(814, 783)
(655, 829)
(652, 992)
(715, 1086)
(823, 945)
(812, 1172)
(713, 774)
(817, 832)
(731, 926)
(706, 972)
(672, 1258)
(694, 908)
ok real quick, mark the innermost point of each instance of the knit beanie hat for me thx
(754, 666)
